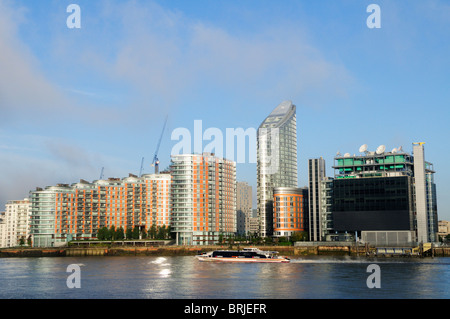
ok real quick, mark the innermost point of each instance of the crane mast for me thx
(142, 167)
(155, 158)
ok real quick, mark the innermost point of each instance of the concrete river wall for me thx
(190, 251)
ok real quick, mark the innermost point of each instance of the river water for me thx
(183, 277)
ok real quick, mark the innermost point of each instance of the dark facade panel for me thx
(367, 194)
(371, 220)
(381, 203)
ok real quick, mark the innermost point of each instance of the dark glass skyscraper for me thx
(316, 173)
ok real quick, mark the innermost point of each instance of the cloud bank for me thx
(129, 61)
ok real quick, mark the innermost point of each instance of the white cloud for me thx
(38, 161)
(166, 56)
(23, 87)
(162, 57)
(28, 94)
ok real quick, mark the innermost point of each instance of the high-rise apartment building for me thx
(16, 223)
(243, 207)
(385, 191)
(203, 198)
(253, 226)
(276, 160)
(2, 230)
(443, 229)
(71, 212)
(316, 171)
(158, 199)
(425, 197)
(289, 211)
(326, 207)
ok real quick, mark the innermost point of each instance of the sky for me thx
(74, 101)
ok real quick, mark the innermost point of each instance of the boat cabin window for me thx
(229, 254)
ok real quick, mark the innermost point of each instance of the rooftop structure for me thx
(376, 164)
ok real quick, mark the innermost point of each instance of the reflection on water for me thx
(164, 266)
(185, 277)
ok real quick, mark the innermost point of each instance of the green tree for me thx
(299, 236)
(152, 232)
(112, 233)
(21, 241)
(120, 234)
(169, 233)
(160, 232)
(230, 241)
(129, 233)
(102, 233)
(135, 234)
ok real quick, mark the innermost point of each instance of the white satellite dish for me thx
(400, 149)
(363, 148)
(347, 155)
(380, 149)
(394, 150)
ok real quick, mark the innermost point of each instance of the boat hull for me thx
(243, 260)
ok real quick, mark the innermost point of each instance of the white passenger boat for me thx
(246, 255)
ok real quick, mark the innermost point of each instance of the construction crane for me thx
(142, 167)
(155, 158)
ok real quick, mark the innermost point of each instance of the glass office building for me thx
(381, 203)
(385, 191)
(316, 173)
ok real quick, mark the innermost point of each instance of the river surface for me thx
(183, 277)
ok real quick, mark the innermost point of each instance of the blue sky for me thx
(75, 100)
